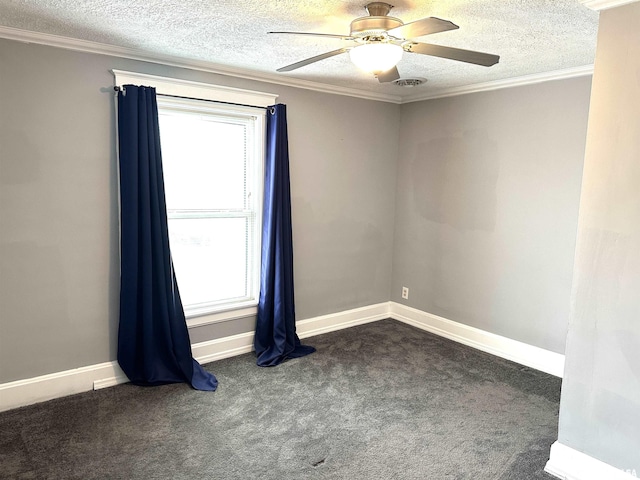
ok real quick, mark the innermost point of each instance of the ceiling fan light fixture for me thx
(376, 57)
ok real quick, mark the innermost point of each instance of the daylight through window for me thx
(212, 162)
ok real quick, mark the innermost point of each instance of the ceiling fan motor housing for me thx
(373, 26)
(376, 24)
(378, 9)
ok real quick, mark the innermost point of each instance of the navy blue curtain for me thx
(153, 341)
(276, 339)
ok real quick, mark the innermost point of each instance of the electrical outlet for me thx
(405, 293)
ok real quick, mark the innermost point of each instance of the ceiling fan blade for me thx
(469, 56)
(317, 58)
(325, 35)
(422, 27)
(388, 76)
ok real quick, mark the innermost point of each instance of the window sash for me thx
(253, 184)
(195, 214)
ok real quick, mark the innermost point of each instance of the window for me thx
(212, 156)
(212, 161)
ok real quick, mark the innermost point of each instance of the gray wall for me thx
(485, 218)
(487, 198)
(600, 403)
(58, 205)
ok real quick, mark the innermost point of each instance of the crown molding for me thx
(204, 91)
(605, 4)
(86, 46)
(506, 83)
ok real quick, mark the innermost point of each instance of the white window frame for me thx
(255, 121)
(203, 91)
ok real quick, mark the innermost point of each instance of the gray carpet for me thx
(378, 401)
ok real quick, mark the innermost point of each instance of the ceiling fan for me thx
(380, 40)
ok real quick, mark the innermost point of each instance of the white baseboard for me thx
(569, 464)
(203, 352)
(213, 350)
(338, 321)
(94, 377)
(54, 385)
(522, 353)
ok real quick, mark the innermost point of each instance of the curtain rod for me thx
(269, 109)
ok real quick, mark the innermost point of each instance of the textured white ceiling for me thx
(531, 36)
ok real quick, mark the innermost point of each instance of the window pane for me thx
(210, 258)
(204, 162)
(213, 182)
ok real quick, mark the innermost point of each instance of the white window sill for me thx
(198, 319)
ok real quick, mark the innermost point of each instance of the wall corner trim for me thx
(87, 46)
(532, 79)
(68, 43)
(519, 352)
(569, 464)
(605, 4)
